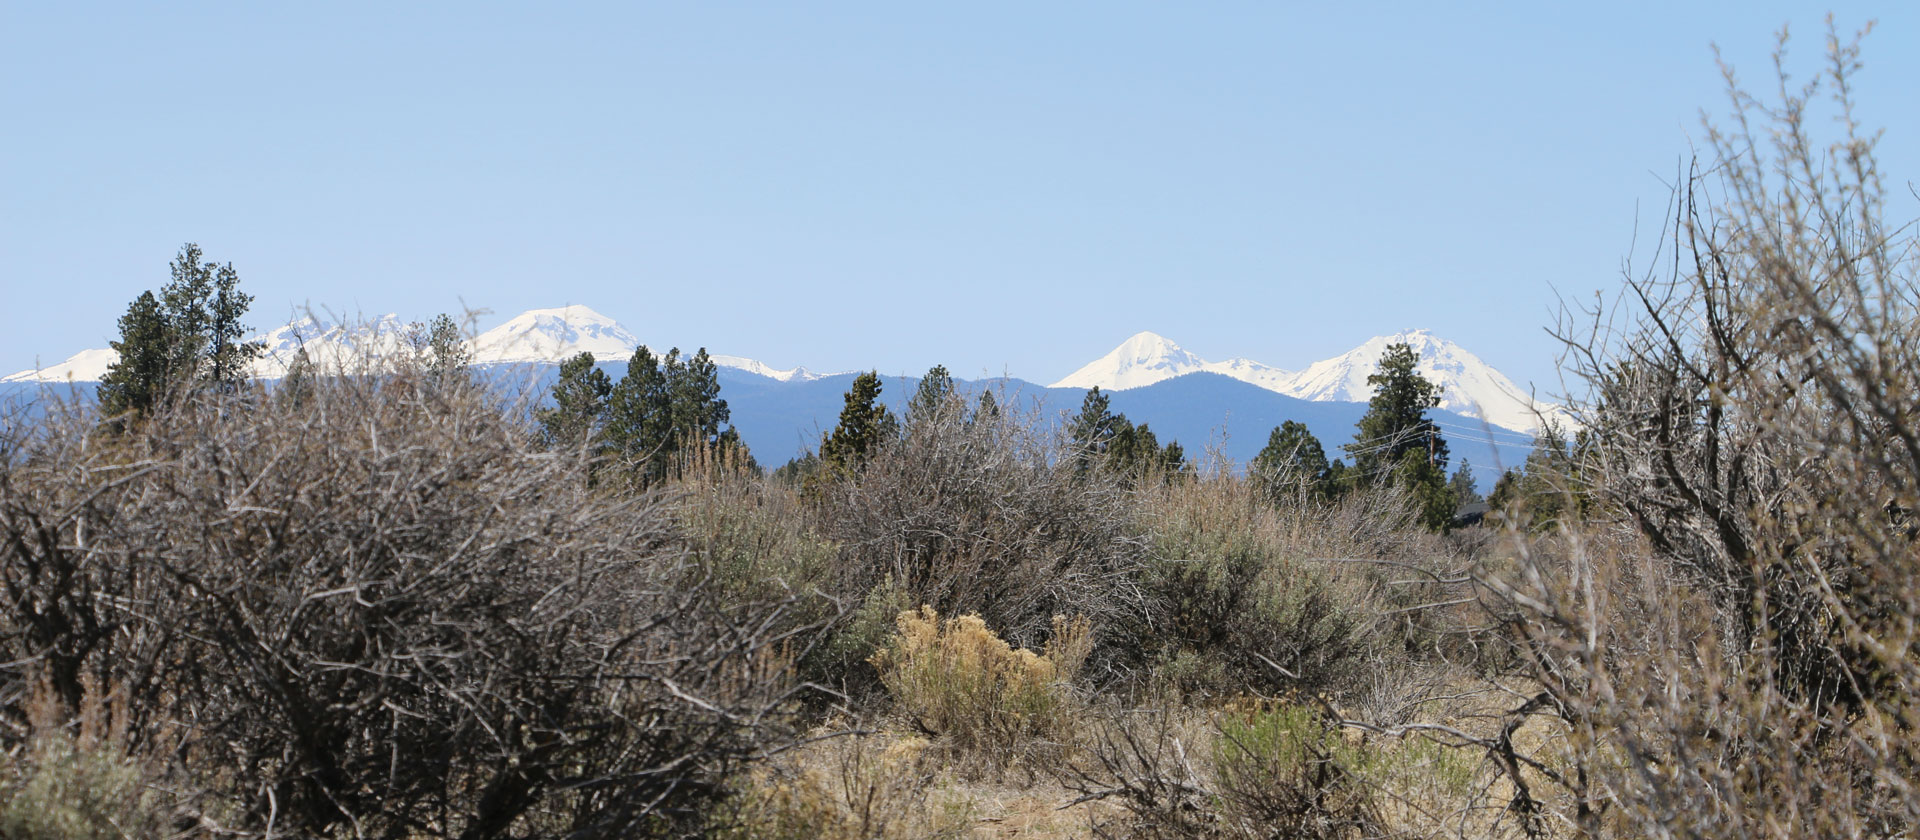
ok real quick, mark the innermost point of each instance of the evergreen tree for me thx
(935, 393)
(799, 472)
(297, 386)
(696, 410)
(1549, 487)
(1292, 461)
(1100, 438)
(1462, 486)
(440, 349)
(865, 425)
(987, 410)
(639, 412)
(1173, 460)
(1092, 431)
(664, 411)
(187, 336)
(1340, 478)
(1133, 449)
(579, 404)
(1398, 442)
(1506, 492)
(144, 375)
(227, 357)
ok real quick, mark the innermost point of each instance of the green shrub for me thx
(1240, 586)
(61, 788)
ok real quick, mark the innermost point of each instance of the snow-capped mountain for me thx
(84, 366)
(1469, 386)
(551, 335)
(537, 336)
(330, 344)
(1139, 361)
(796, 374)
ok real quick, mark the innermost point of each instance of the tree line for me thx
(665, 409)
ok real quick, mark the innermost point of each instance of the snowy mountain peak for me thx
(1139, 361)
(1469, 386)
(798, 374)
(550, 335)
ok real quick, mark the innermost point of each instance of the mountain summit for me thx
(536, 336)
(1469, 386)
(1139, 361)
(552, 335)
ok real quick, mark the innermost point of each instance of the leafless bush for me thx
(1754, 671)
(981, 514)
(379, 610)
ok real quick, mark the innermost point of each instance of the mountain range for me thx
(1227, 406)
(1469, 386)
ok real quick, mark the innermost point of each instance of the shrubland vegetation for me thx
(386, 600)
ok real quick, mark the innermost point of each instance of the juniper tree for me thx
(988, 408)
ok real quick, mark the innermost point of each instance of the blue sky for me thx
(997, 187)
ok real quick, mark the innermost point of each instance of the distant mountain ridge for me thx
(537, 336)
(1469, 386)
(1222, 408)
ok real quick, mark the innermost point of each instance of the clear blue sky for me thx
(997, 187)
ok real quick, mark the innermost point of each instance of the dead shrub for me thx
(852, 787)
(1749, 668)
(380, 610)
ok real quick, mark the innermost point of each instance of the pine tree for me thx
(987, 410)
(440, 349)
(579, 404)
(1506, 492)
(696, 409)
(1462, 487)
(664, 411)
(1133, 449)
(1092, 431)
(187, 336)
(639, 419)
(1549, 486)
(1173, 460)
(932, 397)
(228, 356)
(1292, 461)
(297, 386)
(865, 425)
(144, 376)
(1397, 442)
